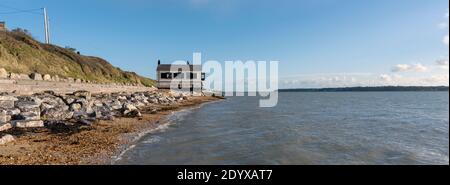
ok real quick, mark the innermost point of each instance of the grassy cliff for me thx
(20, 53)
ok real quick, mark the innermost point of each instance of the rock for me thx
(27, 116)
(8, 98)
(154, 111)
(36, 76)
(7, 102)
(138, 104)
(115, 105)
(127, 108)
(69, 99)
(47, 77)
(57, 114)
(78, 80)
(14, 76)
(5, 126)
(103, 112)
(4, 117)
(56, 78)
(75, 106)
(52, 102)
(133, 114)
(6, 139)
(28, 124)
(86, 122)
(83, 94)
(24, 77)
(12, 112)
(3, 73)
(28, 106)
(153, 100)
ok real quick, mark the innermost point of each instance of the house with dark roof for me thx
(180, 77)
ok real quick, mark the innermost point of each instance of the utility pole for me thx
(46, 27)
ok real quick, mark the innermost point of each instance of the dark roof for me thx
(170, 67)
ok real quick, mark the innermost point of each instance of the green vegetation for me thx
(20, 53)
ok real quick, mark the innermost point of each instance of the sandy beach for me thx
(96, 144)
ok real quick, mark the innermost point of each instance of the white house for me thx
(180, 77)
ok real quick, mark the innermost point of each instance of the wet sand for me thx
(84, 145)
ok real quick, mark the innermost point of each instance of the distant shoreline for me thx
(374, 89)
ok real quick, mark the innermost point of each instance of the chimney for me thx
(159, 62)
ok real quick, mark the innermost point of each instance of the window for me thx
(193, 75)
(203, 76)
(178, 75)
(166, 75)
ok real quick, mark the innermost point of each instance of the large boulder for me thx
(36, 76)
(27, 116)
(47, 77)
(4, 117)
(5, 126)
(115, 105)
(82, 94)
(56, 114)
(51, 102)
(129, 110)
(6, 139)
(7, 102)
(28, 106)
(3, 73)
(28, 124)
(25, 77)
(56, 78)
(76, 106)
(103, 112)
(14, 76)
(128, 107)
(133, 114)
(13, 112)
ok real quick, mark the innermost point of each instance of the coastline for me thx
(101, 144)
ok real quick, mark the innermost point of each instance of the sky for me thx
(319, 43)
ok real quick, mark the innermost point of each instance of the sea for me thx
(305, 128)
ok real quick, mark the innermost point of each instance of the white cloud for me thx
(409, 68)
(386, 78)
(443, 63)
(419, 68)
(445, 40)
(401, 68)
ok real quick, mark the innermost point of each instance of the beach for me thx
(98, 143)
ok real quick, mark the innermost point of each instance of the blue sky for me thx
(319, 43)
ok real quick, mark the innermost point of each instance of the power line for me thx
(32, 11)
(17, 10)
